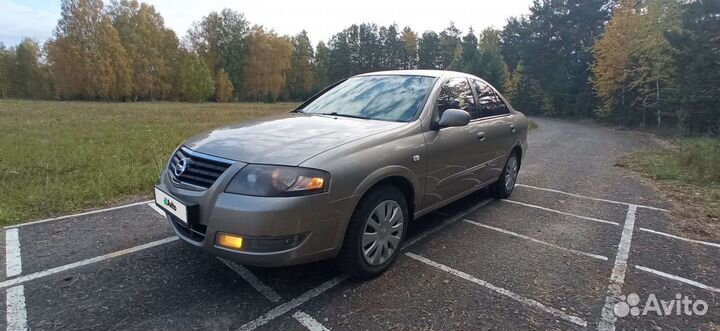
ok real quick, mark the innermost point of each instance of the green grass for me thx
(60, 157)
(532, 125)
(689, 169)
(692, 160)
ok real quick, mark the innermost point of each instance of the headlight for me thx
(278, 181)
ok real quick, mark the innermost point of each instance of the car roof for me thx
(415, 72)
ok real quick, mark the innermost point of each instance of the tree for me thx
(26, 77)
(152, 48)
(267, 62)
(86, 54)
(391, 51)
(696, 54)
(365, 42)
(429, 51)
(300, 78)
(409, 50)
(471, 54)
(524, 92)
(554, 45)
(367, 47)
(489, 40)
(457, 60)
(321, 66)
(515, 38)
(450, 47)
(653, 63)
(220, 38)
(491, 65)
(196, 80)
(511, 86)
(612, 58)
(114, 81)
(340, 57)
(6, 57)
(586, 20)
(223, 87)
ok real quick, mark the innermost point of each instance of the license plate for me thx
(171, 205)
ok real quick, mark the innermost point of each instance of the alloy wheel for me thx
(382, 233)
(511, 172)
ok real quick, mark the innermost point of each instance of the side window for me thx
(489, 102)
(456, 94)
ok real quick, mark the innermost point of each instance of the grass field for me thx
(60, 157)
(689, 170)
(532, 126)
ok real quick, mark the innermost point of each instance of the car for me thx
(344, 174)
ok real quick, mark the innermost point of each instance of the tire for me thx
(357, 259)
(504, 186)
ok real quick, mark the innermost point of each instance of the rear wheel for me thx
(503, 188)
(375, 233)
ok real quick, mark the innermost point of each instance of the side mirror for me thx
(454, 117)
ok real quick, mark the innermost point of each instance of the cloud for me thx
(321, 18)
(19, 21)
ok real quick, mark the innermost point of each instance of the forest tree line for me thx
(633, 62)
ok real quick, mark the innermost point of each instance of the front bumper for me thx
(317, 224)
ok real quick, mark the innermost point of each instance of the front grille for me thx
(195, 232)
(195, 168)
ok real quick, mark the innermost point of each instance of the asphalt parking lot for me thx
(577, 237)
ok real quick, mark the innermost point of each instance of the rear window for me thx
(490, 103)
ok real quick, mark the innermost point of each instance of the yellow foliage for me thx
(268, 60)
(613, 53)
(88, 58)
(223, 87)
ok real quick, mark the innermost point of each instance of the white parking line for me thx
(530, 302)
(560, 212)
(280, 310)
(594, 256)
(445, 223)
(309, 322)
(681, 238)
(592, 198)
(13, 263)
(16, 313)
(52, 271)
(255, 282)
(679, 279)
(617, 277)
(292, 304)
(156, 208)
(76, 215)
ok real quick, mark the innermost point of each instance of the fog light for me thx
(229, 241)
(273, 244)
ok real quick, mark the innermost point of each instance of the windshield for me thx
(389, 98)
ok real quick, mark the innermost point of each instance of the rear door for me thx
(496, 122)
(455, 154)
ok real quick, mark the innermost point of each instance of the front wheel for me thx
(375, 233)
(503, 188)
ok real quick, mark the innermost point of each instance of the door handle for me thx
(481, 136)
(512, 128)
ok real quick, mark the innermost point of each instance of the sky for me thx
(321, 18)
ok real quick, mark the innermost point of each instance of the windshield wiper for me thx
(297, 110)
(345, 115)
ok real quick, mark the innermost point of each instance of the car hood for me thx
(287, 139)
